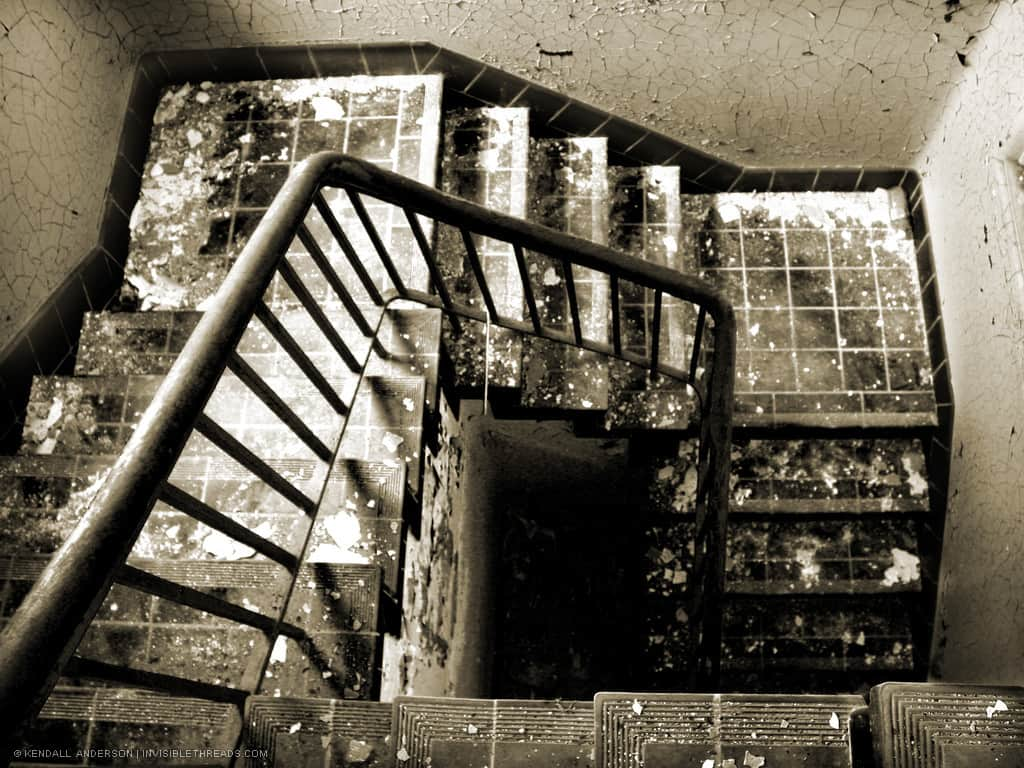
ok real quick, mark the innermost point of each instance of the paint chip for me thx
(999, 706)
(834, 721)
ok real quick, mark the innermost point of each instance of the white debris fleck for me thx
(326, 108)
(203, 97)
(755, 329)
(279, 655)
(295, 728)
(637, 707)
(551, 277)
(225, 548)
(472, 730)
(408, 404)
(403, 755)
(195, 138)
(709, 763)
(834, 721)
(752, 761)
(999, 706)
(391, 441)
(905, 568)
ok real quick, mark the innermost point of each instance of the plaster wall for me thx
(780, 82)
(980, 622)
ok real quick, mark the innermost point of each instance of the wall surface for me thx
(980, 626)
(786, 82)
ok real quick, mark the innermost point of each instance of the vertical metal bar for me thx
(378, 244)
(656, 333)
(478, 271)
(436, 277)
(616, 320)
(346, 246)
(524, 276)
(323, 323)
(698, 337)
(334, 280)
(280, 408)
(301, 359)
(574, 302)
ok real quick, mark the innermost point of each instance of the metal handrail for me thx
(43, 634)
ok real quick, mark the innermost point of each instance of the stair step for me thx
(815, 643)
(485, 161)
(97, 415)
(453, 733)
(669, 730)
(644, 222)
(128, 723)
(947, 726)
(830, 328)
(810, 477)
(329, 732)
(201, 201)
(568, 192)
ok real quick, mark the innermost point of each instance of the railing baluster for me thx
(228, 443)
(656, 334)
(613, 284)
(478, 272)
(334, 280)
(698, 336)
(92, 669)
(435, 272)
(322, 322)
(378, 244)
(301, 359)
(346, 246)
(574, 301)
(524, 277)
(207, 515)
(273, 401)
(151, 584)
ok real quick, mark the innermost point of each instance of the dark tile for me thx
(864, 370)
(459, 70)
(903, 328)
(873, 178)
(753, 180)
(230, 64)
(793, 180)
(578, 118)
(815, 328)
(339, 60)
(764, 248)
(134, 140)
(811, 287)
(773, 371)
(860, 328)
(98, 280)
(389, 59)
(258, 188)
(287, 61)
(423, 54)
(316, 136)
(622, 134)
(655, 149)
(767, 288)
(908, 370)
(807, 248)
(124, 184)
(837, 179)
(718, 176)
(114, 232)
(856, 288)
(191, 66)
(851, 248)
(768, 329)
(48, 338)
(819, 371)
(19, 362)
(719, 248)
(371, 139)
(494, 86)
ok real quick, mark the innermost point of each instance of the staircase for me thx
(278, 566)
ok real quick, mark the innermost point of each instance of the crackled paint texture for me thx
(801, 82)
(793, 82)
(980, 625)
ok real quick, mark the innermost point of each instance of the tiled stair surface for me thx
(947, 726)
(822, 558)
(723, 731)
(88, 726)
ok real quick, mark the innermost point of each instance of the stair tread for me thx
(485, 161)
(946, 726)
(207, 207)
(75, 720)
(688, 729)
(501, 733)
(345, 732)
(568, 192)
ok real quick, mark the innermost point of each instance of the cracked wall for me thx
(980, 621)
(787, 82)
